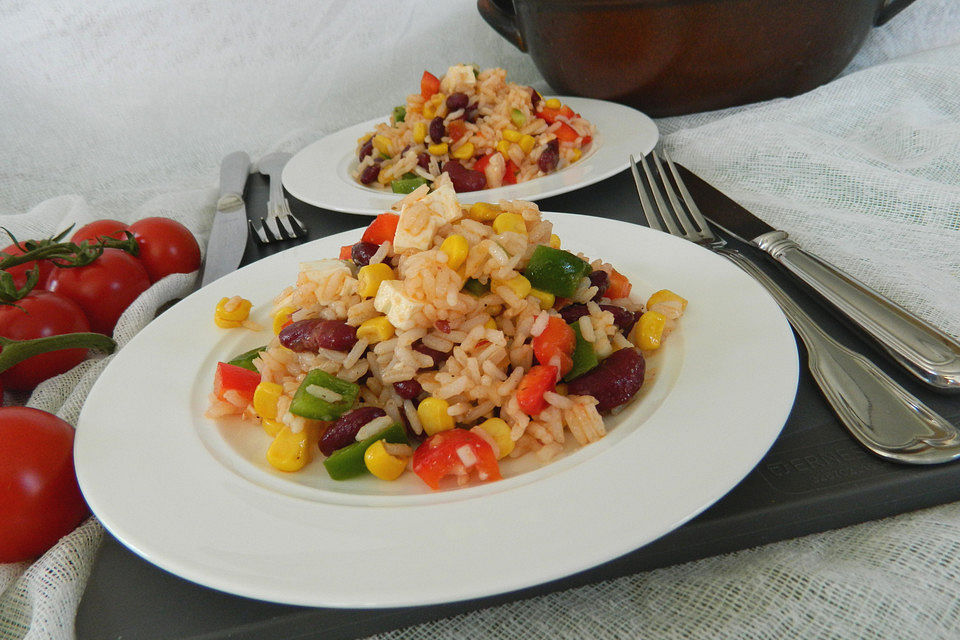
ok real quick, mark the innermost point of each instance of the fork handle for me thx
(877, 411)
(925, 351)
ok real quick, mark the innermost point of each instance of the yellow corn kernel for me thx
(265, 398)
(500, 432)
(280, 318)
(231, 312)
(511, 135)
(431, 107)
(648, 332)
(371, 276)
(519, 285)
(668, 303)
(438, 149)
(433, 415)
(554, 241)
(464, 151)
(575, 155)
(364, 138)
(382, 144)
(456, 248)
(375, 330)
(419, 132)
(483, 212)
(490, 324)
(527, 143)
(289, 451)
(503, 147)
(383, 464)
(509, 222)
(545, 298)
(384, 177)
(272, 427)
(553, 103)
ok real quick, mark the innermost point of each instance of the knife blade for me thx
(925, 351)
(228, 236)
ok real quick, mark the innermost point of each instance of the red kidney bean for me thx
(423, 160)
(442, 325)
(550, 157)
(437, 129)
(614, 381)
(534, 98)
(369, 174)
(344, 430)
(623, 318)
(572, 313)
(601, 280)
(439, 357)
(408, 389)
(464, 179)
(361, 252)
(457, 100)
(471, 113)
(314, 333)
(365, 149)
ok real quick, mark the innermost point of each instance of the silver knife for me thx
(925, 351)
(228, 236)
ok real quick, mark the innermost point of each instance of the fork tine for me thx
(652, 221)
(267, 232)
(657, 190)
(688, 199)
(301, 230)
(257, 233)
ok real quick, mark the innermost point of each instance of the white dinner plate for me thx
(197, 498)
(320, 174)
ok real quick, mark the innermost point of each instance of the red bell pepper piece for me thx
(456, 129)
(482, 163)
(557, 339)
(586, 140)
(510, 173)
(230, 377)
(566, 133)
(533, 385)
(346, 252)
(383, 228)
(429, 85)
(454, 452)
(551, 115)
(619, 286)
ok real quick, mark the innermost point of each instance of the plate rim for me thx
(295, 180)
(207, 574)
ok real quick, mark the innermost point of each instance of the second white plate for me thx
(320, 173)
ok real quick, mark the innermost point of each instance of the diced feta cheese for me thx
(459, 77)
(399, 308)
(318, 270)
(416, 227)
(443, 202)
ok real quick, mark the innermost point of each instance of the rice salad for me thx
(481, 130)
(445, 340)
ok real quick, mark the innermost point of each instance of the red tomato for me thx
(556, 340)
(429, 85)
(619, 286)
(383, 228)
(19, 272)
(40, 501)
(230, 377)
(41, 314)
(92, 232)
(103, 288)
(533, 385)
(166, 247)
(443, 454)
(456, 129)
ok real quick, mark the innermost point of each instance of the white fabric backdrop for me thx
(124, 108)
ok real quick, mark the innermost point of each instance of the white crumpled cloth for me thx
(123, 109)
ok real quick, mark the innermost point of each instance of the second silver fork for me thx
(280, 223)
(878, 412)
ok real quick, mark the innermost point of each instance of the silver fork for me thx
(886, 418)
(280, 224)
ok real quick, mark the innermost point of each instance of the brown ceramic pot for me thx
(669, 57)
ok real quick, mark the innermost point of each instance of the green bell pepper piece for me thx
(245, 360)
(399, 114)
(517, 118)
(348, 462)
(407, 183)
(307, 405)
(584, 357)
(556, 271)
(476, 288)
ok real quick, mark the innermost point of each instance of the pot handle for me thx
(890, 8)
(503, 21)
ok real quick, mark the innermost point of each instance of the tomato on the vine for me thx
(19, 272)
(166, 247)
(40, 500)
(92, 232)
(38, 315)
(103, 288)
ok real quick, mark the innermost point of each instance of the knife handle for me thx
(925, 351)
(878, 412)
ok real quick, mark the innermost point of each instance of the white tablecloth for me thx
(124, 108)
